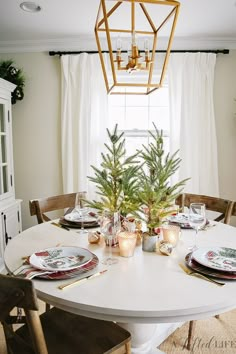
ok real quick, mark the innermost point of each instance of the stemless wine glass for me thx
(81, 209)
(109, 227)
(197, 219)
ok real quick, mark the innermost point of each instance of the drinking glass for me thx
(197, 219)
(110, 226)
(81, 209)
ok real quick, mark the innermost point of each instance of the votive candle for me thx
(170, 234)
(127, 243)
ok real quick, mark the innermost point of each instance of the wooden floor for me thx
(212, 336)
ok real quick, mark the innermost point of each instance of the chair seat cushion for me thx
(68, 333)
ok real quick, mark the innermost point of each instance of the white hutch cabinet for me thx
(10, 208)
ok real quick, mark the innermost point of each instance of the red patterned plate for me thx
(29, 272)
(74, 272)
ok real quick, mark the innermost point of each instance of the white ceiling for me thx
(69, 25)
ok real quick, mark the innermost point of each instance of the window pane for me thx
(117, 116)
(160, 117)
(159, 97)
(3, 148)
(4, 177)
(117, 100)
(136, 118)
(166, 144)
(134, 100)
(132, 144)
(2, 125)
(135, 114)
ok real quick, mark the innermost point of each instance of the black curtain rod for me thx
(216, 51)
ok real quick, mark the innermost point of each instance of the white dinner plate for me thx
(60, 258)
(220, 258)
(75, 217)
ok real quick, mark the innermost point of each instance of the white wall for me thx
(225, 113)
(36, 128)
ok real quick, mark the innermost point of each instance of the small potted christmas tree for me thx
(156, 195)
(117, 183)
(116, 180)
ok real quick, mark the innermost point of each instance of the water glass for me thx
(109, 227)
(81, 209)
(197, 219)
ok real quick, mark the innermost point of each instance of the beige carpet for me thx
(211, 336)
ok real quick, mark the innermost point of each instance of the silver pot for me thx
(149, 243)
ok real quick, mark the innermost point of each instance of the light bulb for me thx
(146, 45)
(118, 43)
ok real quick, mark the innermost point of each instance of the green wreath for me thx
(9, 72)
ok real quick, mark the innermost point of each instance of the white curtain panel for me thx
(193, 131)
(84, 119)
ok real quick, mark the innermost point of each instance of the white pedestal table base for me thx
(146, 337)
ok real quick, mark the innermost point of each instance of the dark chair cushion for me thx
(83, 335)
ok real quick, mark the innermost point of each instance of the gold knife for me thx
(61, 226)
(81, 280)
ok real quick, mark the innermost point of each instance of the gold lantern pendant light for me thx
(131, 63)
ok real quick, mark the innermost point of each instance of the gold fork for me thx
(191, 272)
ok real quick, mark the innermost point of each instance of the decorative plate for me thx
(195, 266)
(220, 258)
(75, 217)
(60, 258)
(29, 272)
(74, 272)
(181, 219)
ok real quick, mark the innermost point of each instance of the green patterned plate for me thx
(219, 258)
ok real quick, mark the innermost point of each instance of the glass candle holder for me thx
(170, 234)
(110, 226)
(127, 243)
(174, 209)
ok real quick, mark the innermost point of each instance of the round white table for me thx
(137, 292)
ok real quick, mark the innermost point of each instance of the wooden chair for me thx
(224, 207)
(56, 331)
(234, 209)
(219, 205)
(40, 207)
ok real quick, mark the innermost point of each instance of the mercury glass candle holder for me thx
(170, 234)
(127, 243)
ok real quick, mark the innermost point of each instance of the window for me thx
(135, 114)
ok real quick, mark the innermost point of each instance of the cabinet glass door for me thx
(5, 182)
